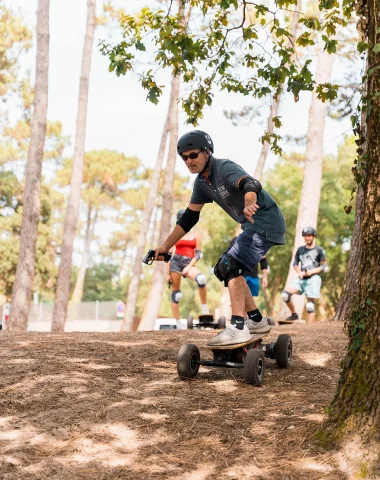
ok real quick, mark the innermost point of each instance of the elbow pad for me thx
(198, 254)
(248, 184)
(188, 219)
(324, 267)
(264, 264)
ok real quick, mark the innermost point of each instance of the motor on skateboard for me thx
(249, 356)
(206, 321)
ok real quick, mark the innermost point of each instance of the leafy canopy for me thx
(234, 45)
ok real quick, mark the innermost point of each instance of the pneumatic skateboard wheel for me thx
(254, 367)
(222, 322)
(284, 351)
(190, 322)
(188, 361)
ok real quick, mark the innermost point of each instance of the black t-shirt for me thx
(255, 272)
(309, 257)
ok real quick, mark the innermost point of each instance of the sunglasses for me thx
(192, 156)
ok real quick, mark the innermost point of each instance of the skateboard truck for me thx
(149, 257)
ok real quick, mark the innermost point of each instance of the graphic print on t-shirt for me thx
(309, 257)
(223, 192)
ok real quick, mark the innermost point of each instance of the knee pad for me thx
(286, 296)
(176, 296)
(201, 280)
(228, 268)
(310, 307)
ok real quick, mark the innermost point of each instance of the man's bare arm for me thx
(317, 270)
(300, 273)
(250, 205)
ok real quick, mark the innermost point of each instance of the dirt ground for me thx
(110, 406)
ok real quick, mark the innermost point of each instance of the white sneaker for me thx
(231, 336)
(258, 327)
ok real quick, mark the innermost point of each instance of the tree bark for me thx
(72, 212)
(133, 288)
(276, 100)
(155, 296)
(270, 294)
(354, 419)
(79, 284)
(22, 289)
(350, 285)
(312, 180)
(154, 224)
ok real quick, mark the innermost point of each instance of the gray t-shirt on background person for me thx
(310, 258)
(222, 188)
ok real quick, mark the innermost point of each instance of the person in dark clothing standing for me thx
(309, 262)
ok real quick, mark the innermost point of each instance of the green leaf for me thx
(348, 209)
(276, 122)
(328, 4)
(376, 48)
(362, 47)
(354, 120)
(140, 46)
(330, 45)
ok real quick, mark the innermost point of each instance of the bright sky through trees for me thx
(118, 114)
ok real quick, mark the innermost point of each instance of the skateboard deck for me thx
(254, 338)
(290, 322)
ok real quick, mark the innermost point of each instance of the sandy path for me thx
(110, 406)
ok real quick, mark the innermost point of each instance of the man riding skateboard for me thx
(309, 262)
(243, 199)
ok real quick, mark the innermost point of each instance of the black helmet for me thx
(309, 231)
(195, 139)
(180, 213)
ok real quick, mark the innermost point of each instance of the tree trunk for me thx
(354, 419)
(72, 212)
(78, 290)
(276, 100)
(154, 224)
(155, 296)
(350, 285)
(133, 288)
(312, 179)
(22, 289)
(270, 294)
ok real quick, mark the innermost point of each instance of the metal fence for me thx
(84, 316)
(79, 311)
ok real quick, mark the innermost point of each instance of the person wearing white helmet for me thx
(243, 199)
(309, 262)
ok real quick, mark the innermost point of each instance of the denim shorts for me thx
(179, 262)
(249, 248)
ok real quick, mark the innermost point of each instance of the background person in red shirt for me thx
(186, 252)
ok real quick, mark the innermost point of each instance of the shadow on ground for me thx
(110, 406)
